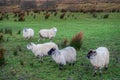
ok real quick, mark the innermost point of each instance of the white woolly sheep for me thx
(48, 33)
(99, 58)
(28, 33)
(61, 57)
(41, 50)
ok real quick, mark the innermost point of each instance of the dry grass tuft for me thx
(76, 41)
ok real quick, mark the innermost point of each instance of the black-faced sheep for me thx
(61, 57)
(99, 58)
(41, 50)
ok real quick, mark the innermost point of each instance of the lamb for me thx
(28, 33)
(99, 58)
(61, 57)
(41, 50)
(48, 33)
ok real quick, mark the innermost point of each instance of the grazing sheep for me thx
(28, 33)
(61, 57)
(41, 50)
(48, 33)
(99, 58)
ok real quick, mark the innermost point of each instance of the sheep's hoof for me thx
(94, 74)
(51, 61)
(100, 74)
(31, 64)
(70, 64)
(106, 68)
(60, 68)
(73, 64)
(40, 61)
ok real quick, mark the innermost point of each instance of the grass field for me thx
(97, 32)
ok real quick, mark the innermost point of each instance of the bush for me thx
(1, 37)
(106, 16)
(64, 43)
(2, 59)
(55, 13)
(1, 30)
(19, 31)
(8, 31)
(62, 15)
(94, 15)
(76, 41)
(47, 16)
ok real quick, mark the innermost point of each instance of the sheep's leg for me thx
(38, 39)
(31, 38)
(41, 59)
(51, 60)
(60, 67)
(95, 71)
(106, 67)
(71, 64)
(100, 71)
(50, 38)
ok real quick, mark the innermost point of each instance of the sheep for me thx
(48, 33)
(99, 58)
(41, 50)
(28, 33)
(63, 56)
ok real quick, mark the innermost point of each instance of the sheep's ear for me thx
(31, 43)
(50, 51)
(55, 29)
(94, 52)
(28, 46)
(54, 49)
(91, 49)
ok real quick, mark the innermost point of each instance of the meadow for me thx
(96, 32)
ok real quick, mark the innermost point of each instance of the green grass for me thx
(97, 32)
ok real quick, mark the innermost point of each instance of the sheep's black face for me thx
(50, 52)
(29, 46)
(91, 53)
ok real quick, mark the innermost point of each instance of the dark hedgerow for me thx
(76, 41)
